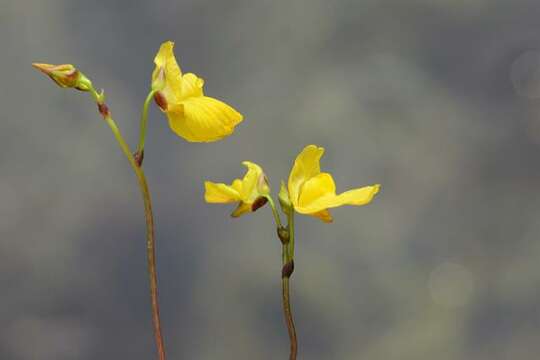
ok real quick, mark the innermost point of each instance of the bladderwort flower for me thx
(250, 192)
(309, 191)
(312, 192)
(191, 114)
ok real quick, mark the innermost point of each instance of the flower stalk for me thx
(286, 236)
(150, 238)
(139, 153)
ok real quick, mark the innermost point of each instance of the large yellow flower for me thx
(312, 192)
(191, 115)
(250, 192)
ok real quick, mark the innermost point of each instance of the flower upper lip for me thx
(191, 114)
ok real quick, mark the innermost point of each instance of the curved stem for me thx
(150, 239)
(144, 121)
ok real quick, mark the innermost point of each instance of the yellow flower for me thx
(312, 192)
(191, 115)
(250, 192)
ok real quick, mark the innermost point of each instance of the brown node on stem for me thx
(139, 157)
(104, 109)
(287, 269)
(283, 234)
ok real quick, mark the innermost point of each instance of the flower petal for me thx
(250, 181)
(203, 119)
(316, 188)
(324, 215)
(237, 185)
(305, 167)
(358, 197)
(220, 193)
(166, 62)
(192, 85)
(241, 209)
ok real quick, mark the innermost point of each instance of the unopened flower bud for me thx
(65, 76)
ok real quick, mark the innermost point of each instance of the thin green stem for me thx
(150, 239)
(277, 218)
(290, 219)
(286, 272)
(144, 121)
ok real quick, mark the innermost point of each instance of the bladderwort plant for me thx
(309, 192)
(191, 115)
(198, 118)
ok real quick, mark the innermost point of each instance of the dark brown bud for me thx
(259, 203)
(104, 110)
(160, 100)
(287, 269)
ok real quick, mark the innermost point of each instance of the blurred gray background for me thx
(436, 100)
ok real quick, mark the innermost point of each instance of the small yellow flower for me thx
(193, 116)
(250, 192)
(312, 192)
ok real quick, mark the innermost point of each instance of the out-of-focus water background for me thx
(436, 100)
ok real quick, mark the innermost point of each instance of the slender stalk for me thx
(144, 121)
(150, 239)
(274, 211)
(286, 235)
(286, 272)
(290, 219)
(289, 318)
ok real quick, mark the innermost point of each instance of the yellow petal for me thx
(203, 119)
(241, 209)
(358, 197)
(166, 63)
(237, 185)
(192, 85)
(316, 188)
(324, 215)
(220, 193)
(305, 167)
(250, 181)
